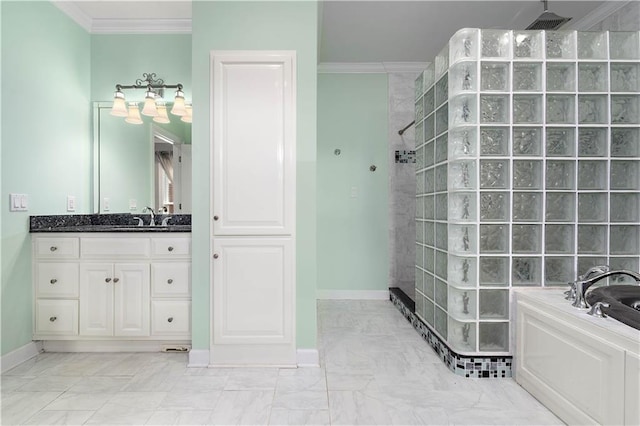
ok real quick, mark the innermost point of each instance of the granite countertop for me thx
(107, 223)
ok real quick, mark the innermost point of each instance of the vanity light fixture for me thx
(187, 117)
(154, 105)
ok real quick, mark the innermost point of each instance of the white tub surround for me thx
(585, 369)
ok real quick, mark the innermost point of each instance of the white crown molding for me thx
(75, 13)
(141, 26)
(370, 67)
(596, 16)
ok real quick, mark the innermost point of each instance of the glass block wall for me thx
(528, 172)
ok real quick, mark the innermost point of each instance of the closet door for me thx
(253, 137)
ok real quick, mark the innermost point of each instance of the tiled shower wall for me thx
(528, 172)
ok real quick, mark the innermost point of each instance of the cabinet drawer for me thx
(56, 248)
(170, 317)
(171, 279)
(115, 248)
(171, 247)
(57, 279)
(58, 317)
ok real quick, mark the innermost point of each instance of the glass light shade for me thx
(189, 114)
(119, 108)
(149, 109)
(162, 116)
(178, 104)
(134, 114)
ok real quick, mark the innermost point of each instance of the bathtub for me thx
(585, 369)
(623, 303)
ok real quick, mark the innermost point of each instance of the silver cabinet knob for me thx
(107, 280)
(170, 248)
(216, 218)
(52, 319)
(53, 248)
(170, 319)
(215, 256)
(53, 281)
(170, 281)
(115, 280)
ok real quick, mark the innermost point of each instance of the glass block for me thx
(625, 207)
(560, 45)
(585, 263)
(419, 135)
(624, 45)
(625, 109)
(592, 77)
(592, 45)
(419, 304)
(441, 322)
(419, 274)
(560, 142)
(494, 174)
(419, 256)
(429, 149)
(428, 76)
(463, 45)
(441, 264)
(441, 148)
(462, 239)
(419, 109)
(559, 239)
(442, 206)
(494, 76)
(442, 239)
(442, 62)
(560, 174)
(625, 175)
(592, 175)
(592, 142)
(441, 293)
(462, 78)
(494, 141)
(462, 336)
(429, 181)
(429, 235)
(527, 77)
(624, 239)
(462, 206)
(527, 44)
(592, 207)
(420, 158)
(560, 206)
(494, 271)
(429, 286)
(527, 141)
(462, 175)
(495, 44)
(430, 261)
(462, 271)
(592, 109)
(561, 109)
(494, 238)
(527, 207)
(420, 232)
(429, 101)
(442, 91)
(494, 206)
(625, 142)
(462, 143)
(558, 271)
(625, 77)
(592, 239)
(429, 312)
(462, 110)
(561, 77)
(493, 336)
(462, 303)
(420, 208)
(527, 109)
(441, 178)
(526, 271)
(429, 127)
(420, 183)
(419, 87)
(628, 263)
(526, 239)
(429, 207)
(494, 304)
(442, 119)
(494, 109)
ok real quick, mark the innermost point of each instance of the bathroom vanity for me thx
(95, 289)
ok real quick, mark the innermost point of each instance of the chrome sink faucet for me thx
(583, 285)
(165, 221)
(152, 222)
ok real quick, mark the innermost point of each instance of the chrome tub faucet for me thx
(581, 286)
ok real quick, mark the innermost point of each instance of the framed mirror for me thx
(140, 165)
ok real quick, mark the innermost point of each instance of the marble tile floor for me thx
(375, 369)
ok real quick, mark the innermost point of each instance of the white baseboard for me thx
(109, 346)
(198, 358)
(20, 355)
(308, 358)
(353, 294)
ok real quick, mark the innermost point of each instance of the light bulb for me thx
(162, 116)
(178, 104)
(119, 108)
(149, 109)
(189, 114)
(134, 114)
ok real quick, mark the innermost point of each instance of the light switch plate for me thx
(105, 204)
(133, 204)
(18, 202)
(71, 203)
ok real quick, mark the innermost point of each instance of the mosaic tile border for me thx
(465, 366)
(405, 157)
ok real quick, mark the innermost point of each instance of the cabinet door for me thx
(96, 299)
(253, 301)
(253, 142)
(132, 287)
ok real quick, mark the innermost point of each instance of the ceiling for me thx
(355, 31)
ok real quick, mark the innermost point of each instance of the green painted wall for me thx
(256, 26)
(352, 232)
(46, 150)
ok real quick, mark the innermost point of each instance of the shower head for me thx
(548, 20)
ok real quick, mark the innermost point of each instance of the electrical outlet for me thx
(71, 203)
(354, 192)
(133, 204)
(105, 204)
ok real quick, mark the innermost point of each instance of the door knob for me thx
(170, 281)
(216, 218)
(170, 248)
(170, 319)
(53, 281)
(53, 248)
(215, 255)
(52, 319)
(107, 280)
(115, 280)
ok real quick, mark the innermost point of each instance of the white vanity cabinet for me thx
(110, 286)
